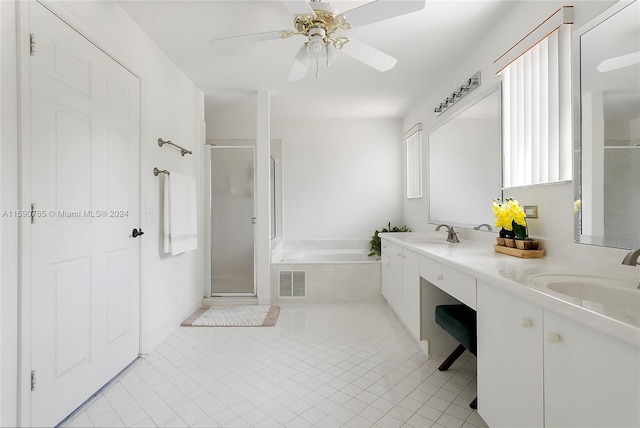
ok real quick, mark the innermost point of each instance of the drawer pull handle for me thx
(553, 337)
(440, 277)
(526, 322)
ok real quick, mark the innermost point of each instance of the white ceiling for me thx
(426, 43)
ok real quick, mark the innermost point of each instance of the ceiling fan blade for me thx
(333, 55)
(298, 7)
(299, 66)
(619, 62)
(369, 55)
(380, 10)
(249, 38)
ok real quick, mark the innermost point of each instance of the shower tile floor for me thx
(325, 365)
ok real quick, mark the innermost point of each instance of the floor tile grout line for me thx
(351, 356)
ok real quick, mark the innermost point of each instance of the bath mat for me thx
(234, 316)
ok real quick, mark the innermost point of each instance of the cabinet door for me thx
(387, 279)
(392, 275)
(509, 359)
(590, 378)
(411, 292)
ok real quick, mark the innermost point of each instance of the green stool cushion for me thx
(460, 322)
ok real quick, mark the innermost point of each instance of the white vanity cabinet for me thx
(392, 275)
(591, 379)
(401, 284)
(510, 357)
(453, 282)
(411, 292)
(538, 368)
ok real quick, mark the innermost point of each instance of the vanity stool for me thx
(460, 322)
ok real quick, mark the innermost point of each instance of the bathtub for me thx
(332, 272)
(323, 256)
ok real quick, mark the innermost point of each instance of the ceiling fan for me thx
(320, 23)
(618, 62)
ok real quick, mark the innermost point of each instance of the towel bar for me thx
(157, 171)
(183, 151)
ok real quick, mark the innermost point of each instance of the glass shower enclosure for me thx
(232, 220)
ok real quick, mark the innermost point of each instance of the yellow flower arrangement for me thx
(577, 204)
(510, 217)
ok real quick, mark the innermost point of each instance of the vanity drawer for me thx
(455, 283)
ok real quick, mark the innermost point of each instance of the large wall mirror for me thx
(465, 167)
(608, 128)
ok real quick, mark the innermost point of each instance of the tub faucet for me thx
(631, 259)
(452, 236)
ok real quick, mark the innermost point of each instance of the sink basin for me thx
(617, 298)
(563, 280)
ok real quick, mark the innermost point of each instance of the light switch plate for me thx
(151, 217)
(531, 211)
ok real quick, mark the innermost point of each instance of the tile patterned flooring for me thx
(326, 365)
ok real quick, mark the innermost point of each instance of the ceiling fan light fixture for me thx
(316, 47)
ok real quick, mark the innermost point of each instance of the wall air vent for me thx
(292, 284)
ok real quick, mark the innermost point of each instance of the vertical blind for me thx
(413, 151)
(536, 109)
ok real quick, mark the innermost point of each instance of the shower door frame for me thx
(208, 283)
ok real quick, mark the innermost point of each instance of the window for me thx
(413, 152)
(536, 112)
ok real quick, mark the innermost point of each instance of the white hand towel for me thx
(180, 215)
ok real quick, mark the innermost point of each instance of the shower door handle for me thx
(253, 220)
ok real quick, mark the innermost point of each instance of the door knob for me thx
(135, 232)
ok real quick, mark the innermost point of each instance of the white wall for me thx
(555, 224)
(236, 122)
(171, 108)
(342, 179)
(634, 132)
(3, 276)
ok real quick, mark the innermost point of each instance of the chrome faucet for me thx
(480, 226)
(631, 259)
(452, 236)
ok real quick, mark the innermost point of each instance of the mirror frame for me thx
(496, 88)
(576, 104)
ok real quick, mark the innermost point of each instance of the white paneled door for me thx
(84, 262)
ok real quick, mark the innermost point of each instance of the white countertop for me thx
(514, 274)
